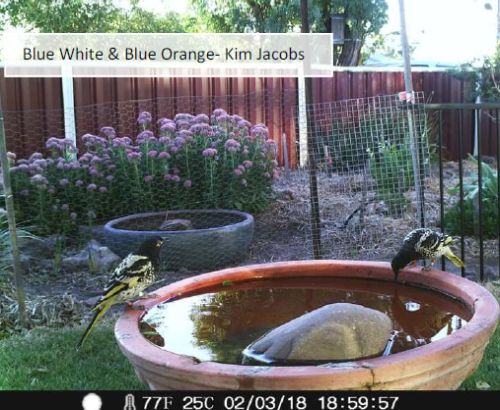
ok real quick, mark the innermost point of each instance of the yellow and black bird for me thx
(132, 276)
(424, 243)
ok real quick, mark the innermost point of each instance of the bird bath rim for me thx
(424, 367)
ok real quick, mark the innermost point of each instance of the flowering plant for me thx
(187, 162)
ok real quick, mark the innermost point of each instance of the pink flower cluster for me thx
(180, 153)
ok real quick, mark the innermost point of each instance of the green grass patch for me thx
(46, 359)
(487, 376)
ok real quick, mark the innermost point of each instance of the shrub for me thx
(489, 204)
(391, 168)
(5, 243)
(481, 81)
(348, 139)
(191, 161)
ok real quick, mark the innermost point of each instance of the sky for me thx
(454, 31)
(448, 31)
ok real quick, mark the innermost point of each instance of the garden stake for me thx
(313, 180)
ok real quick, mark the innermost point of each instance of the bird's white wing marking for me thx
(127, 263)
(422, 239)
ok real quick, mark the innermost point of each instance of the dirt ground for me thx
(281, 233)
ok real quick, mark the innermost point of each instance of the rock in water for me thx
(340, 331)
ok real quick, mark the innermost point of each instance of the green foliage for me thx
(489, 181)
(391, 168)
(487, 76)
(70, 16)
(347, 148)
(380, 142)
(89, 16)
(191, 162)
(240, 16)
(46, 359)
(488, 371)
(5, 243)
(348, 141)
(489, 204)
(489, 221)
(138, 20)
(362, 18)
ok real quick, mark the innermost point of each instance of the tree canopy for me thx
(89, 16)
(361, 19)
(71, 16)
(482, 81)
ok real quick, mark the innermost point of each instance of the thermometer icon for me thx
(129, 402)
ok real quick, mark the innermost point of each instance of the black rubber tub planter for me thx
(218, 237)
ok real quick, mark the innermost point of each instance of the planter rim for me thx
(484, 307)
(110, 225)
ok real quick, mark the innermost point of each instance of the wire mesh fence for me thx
(373, 173)
(207, 174)
(192, 170)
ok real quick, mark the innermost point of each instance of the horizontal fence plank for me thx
(33, 107)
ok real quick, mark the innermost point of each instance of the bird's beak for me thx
(449, 240)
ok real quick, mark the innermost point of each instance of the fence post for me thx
(285, 155)
(313, 180)
(302, 114)
(11, 220)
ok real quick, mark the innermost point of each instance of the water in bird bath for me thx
(219, 323)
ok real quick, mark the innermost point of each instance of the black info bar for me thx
(244, 400)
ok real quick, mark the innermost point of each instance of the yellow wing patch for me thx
(453, 258)
(126, 283)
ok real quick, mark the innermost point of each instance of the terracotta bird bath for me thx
(442, 364)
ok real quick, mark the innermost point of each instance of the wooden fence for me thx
(34, 110)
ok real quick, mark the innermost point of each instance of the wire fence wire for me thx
(207, 174)
(368, 171)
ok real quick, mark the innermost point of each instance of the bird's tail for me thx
(454, 259)
(98, 314)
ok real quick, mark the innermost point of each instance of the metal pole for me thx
(313, 180)
(285, 155)
(9, 206)
(405, 47)
(414, 145)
